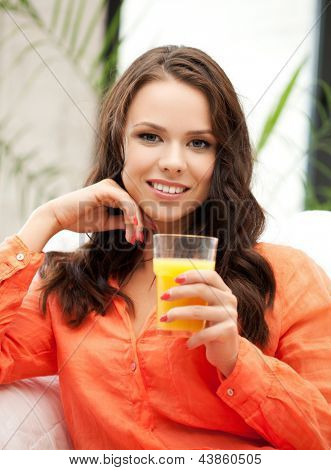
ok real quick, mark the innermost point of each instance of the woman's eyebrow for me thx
(160, 128)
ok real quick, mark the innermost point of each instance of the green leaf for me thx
(324, 146)
(110, 35)
(108, 72)
(323, 169)
(19, 163)
(27, 49)
(7, 5)
(90, 29)
(32, 77)
(49, 172)
(76, 26)
(55, 15)
(32, 12)
(67, 20)
(104, 67)
(12, 33)
(311, 200)
(5, 120)
(275, 114)
(323, 115)
(22, 131)
(327, 91)
(326, 192)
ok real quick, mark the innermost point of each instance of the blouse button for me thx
(133, 366)
(20, 256)
(230, 392)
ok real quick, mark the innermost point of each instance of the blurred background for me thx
(58, 56)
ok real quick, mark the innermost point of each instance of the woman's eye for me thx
(152, 138)
(148, 137)
(198, 141)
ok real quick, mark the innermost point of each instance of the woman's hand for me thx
(85, 210)
(220, 336)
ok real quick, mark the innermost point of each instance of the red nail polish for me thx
(135, 220)
(164, 318)
(165, 296)
(180, 279)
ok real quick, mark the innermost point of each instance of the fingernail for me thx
(135, 220)
(180, 279)
(165, 296)
(164, 318)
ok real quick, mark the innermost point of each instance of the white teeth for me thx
(168, 189)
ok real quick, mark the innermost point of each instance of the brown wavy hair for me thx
(231, 213)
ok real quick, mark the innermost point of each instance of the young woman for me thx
(259, 374)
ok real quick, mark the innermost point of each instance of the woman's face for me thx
(162, 142)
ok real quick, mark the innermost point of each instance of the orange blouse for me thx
(151, 392)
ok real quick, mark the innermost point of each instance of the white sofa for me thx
(31, 413)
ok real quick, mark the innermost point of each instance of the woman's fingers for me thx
(148, 222)
(212, 314)
(212, 295)
(121, 222)
(135, 219)
(115, 196)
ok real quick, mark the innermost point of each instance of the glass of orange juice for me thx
(174, 254)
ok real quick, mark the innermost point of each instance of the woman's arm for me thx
(27, 346)
(286, 398)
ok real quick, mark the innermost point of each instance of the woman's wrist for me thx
(38, 229)
(226, 369)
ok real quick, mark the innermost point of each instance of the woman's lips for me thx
(166, 196)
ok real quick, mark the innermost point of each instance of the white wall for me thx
(252, 41)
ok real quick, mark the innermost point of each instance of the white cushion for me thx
(66, 241)
(31, 415)
(309, 231)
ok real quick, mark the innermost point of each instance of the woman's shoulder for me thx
(279, 251)
(289, 262)
(285, 260)
(280, 254)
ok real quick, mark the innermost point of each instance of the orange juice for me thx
(166, 269)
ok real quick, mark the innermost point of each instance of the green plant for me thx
(69, 31)
(66, 32)
(275, 114)
(319, 138)
(33, 186)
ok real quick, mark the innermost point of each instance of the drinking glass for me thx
(172, 255)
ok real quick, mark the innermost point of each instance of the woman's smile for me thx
(165, 193)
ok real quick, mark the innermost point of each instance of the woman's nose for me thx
(173, 160)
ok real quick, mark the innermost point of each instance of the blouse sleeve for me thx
(27, 345)
(286, 398)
